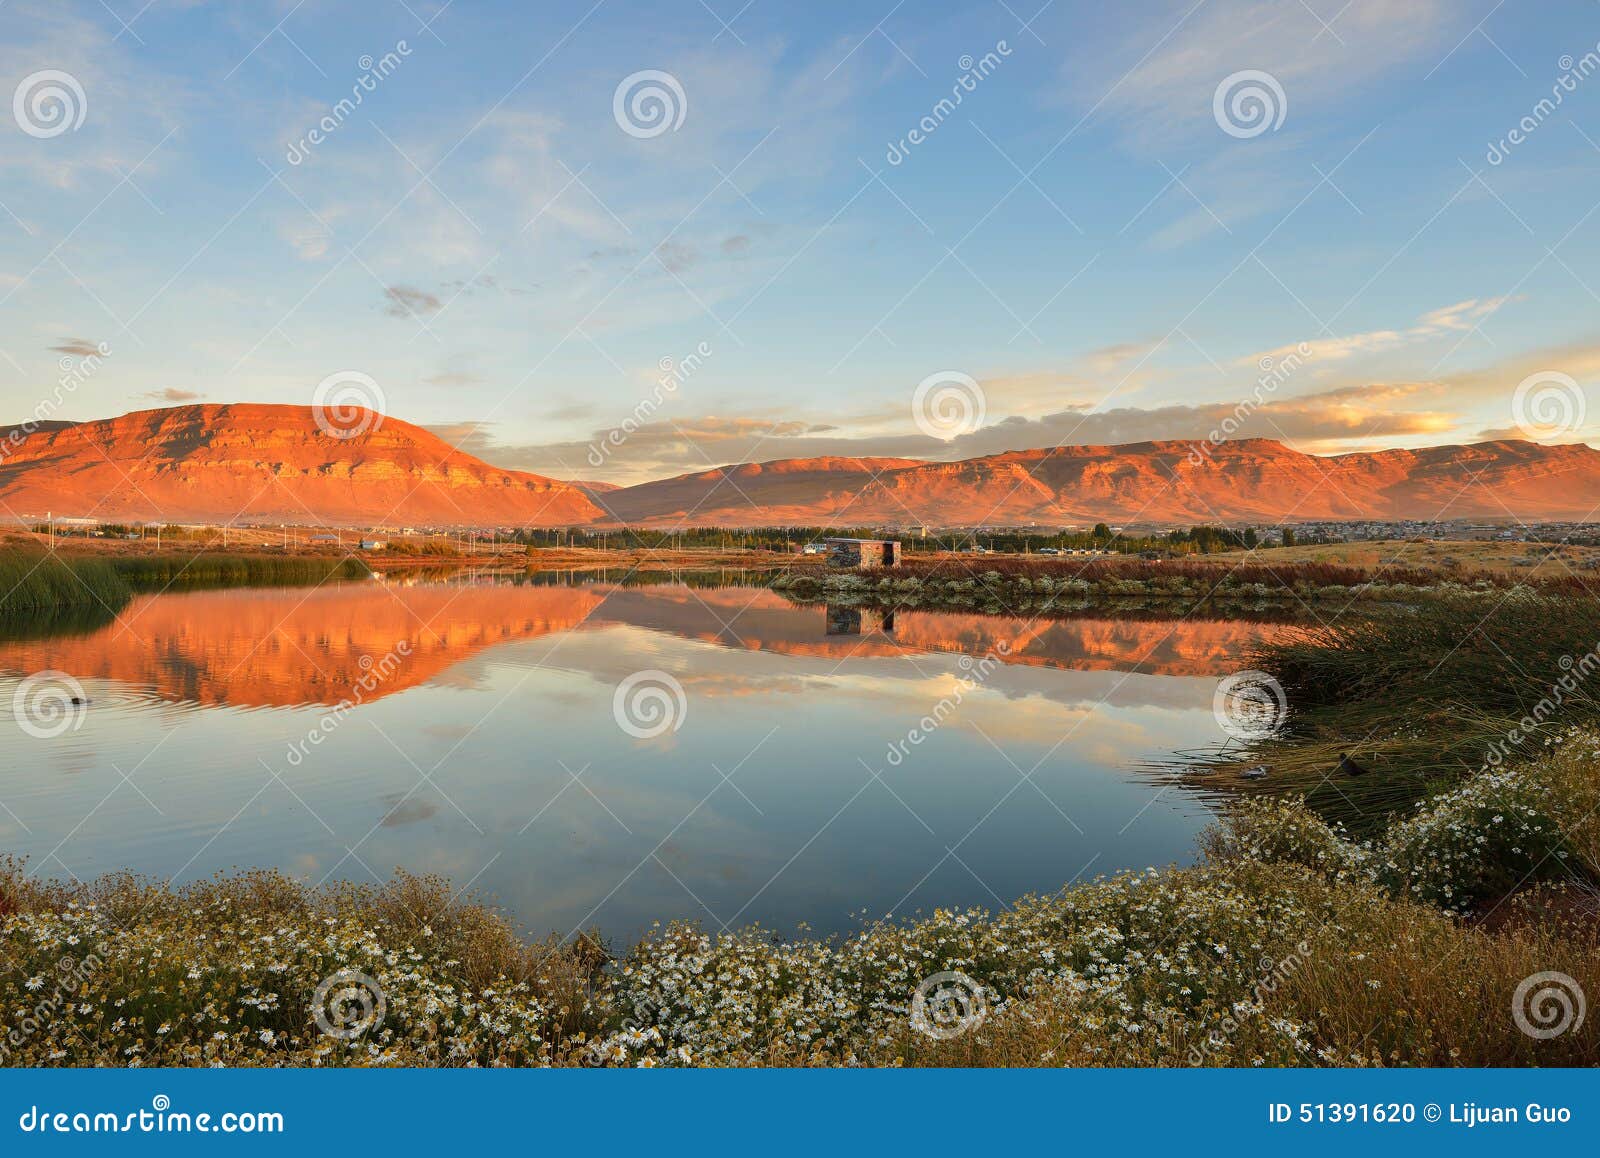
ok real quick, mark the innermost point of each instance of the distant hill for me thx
(1148, 482)
(595, 488)
(793, 491)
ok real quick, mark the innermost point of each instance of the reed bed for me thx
(154, 572)
(1424, 699)
(33, 583)
(44, 594)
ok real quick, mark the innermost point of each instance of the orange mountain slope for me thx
(221, 463)
(1151, 482)
(789, 491)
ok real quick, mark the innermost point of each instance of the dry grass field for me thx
(1541, 560)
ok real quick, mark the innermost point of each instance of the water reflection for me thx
(278, 647)
(489, 751)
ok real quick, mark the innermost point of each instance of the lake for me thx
(586, 753)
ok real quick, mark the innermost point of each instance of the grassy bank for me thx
(1288, 946)
(1423, 700)
(1538, 560)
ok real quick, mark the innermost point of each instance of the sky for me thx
(618, 241)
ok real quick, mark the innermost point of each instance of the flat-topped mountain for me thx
(220, 463)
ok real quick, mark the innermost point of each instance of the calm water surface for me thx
(491, 752)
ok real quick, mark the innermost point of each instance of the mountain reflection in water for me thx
(275, 647)
(484, 745)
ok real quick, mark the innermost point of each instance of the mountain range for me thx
(268, 463)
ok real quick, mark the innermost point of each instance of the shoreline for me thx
(1286, 946)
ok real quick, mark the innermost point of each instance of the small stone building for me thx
(863, 553)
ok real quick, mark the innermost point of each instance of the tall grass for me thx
(155, 572)
(700, 578)
(1424, 699)
(32, 583)
(47, 594)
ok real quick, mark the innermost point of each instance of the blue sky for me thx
(1081, 237)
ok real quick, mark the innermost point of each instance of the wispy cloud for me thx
(77, 347)
(1161, 84)
(1334, 417)
(128, 110)
(1457, 318)
(171, 394)
(409, 302)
